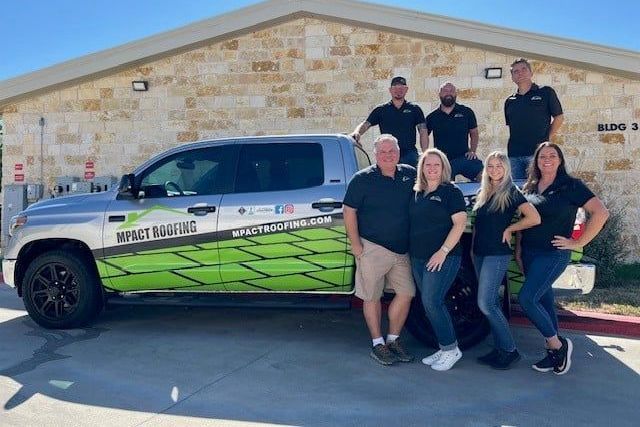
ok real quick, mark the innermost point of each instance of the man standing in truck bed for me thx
(533, 114)
(399, 118)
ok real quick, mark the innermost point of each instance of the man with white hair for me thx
(376, 216)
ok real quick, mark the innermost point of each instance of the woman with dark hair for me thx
(496, 204)
(437, 218)
(545, 250)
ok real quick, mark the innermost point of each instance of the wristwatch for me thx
(445, 249)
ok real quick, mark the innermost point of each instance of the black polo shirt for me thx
(529, 119)
(382, 204)
(557, 205)
(451, 131)
(399, 122)
(489, 226)
(430, 219)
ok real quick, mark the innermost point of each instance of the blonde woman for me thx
(497, 202)
(437, 218)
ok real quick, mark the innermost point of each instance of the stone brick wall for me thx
(309, 76)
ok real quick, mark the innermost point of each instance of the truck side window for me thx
(362, 158)
(278, 167)
(203, 171)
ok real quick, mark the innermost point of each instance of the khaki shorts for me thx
(377, 263)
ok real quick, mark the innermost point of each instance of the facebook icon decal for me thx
(284, 209)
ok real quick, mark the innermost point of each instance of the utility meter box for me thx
(63, 185)
(104, 183)
(14, 201)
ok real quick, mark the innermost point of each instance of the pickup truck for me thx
(253, 215)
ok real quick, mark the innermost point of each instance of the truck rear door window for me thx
(362, 158)
(279, 167)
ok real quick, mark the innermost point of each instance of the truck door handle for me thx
(327, 204)
(201, 210)
(116, 218)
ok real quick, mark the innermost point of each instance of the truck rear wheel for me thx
(470, 324)
(61, 290)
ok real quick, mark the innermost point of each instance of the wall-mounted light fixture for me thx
(140, 85)
(493, 73)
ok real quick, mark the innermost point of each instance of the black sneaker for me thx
(383, 355)
(401, 354)
(563, 357)
(505, 359)
(548, 363)
(489, 357)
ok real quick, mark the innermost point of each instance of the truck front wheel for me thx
(61, 290)
(470, 325)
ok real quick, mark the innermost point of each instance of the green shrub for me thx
(608, 250)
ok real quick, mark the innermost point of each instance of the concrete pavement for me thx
(162, 366)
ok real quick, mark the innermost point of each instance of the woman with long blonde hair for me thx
(496, 204)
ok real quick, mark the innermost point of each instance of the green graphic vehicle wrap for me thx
(309, 257)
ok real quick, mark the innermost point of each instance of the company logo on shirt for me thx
(536, 98)
(405, 178)
(435, 198)
(406, 111)
(458, 115)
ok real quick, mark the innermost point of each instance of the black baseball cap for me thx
(397, 80)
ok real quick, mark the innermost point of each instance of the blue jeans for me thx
(519, 166)
(434, 286)
(469, 168)
(541, 269)
(490, 271)
(409, 157)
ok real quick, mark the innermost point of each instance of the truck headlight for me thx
(17, 221)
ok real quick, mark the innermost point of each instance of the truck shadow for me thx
(308, 367)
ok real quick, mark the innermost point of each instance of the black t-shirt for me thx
(399, 122)
(557, 205)
(451, 131)
(529, 119)
(381, 202)
(430, 218)
(489, 226)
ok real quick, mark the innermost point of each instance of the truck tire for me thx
(61, 290)
(470, 324)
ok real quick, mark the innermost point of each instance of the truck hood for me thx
(76, 203)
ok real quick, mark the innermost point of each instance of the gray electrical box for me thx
(14, 201)
(34, 192)
(63, 185)
(104, 183)
(80, 187)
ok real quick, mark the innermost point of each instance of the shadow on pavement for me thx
(301, 367)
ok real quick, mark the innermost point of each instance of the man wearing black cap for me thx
(399, 118)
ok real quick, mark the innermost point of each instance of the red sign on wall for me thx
(18, 177)
(88, 164)
(18, 166)
(89, 175)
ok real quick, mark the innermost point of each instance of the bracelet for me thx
(445, 249)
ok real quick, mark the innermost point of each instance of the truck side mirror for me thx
(126, 189)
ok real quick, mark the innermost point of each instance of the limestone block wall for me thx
(308, 76)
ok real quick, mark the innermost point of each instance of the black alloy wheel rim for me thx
(54, 291)
(463, 306)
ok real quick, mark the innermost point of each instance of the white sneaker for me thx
(447, 360)
(430, 360)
